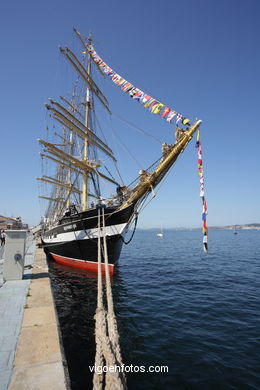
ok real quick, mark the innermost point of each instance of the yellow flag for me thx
(198, 136)
(157, 108)
(185, 121)
(146, 105)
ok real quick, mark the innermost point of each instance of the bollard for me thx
(14, 254)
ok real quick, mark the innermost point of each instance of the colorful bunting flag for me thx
(171, 115)
(152, 104)
(165, 112)
(202, 195)
(179, 116)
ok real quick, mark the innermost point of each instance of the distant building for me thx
(9, 223)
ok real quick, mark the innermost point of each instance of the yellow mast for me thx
(69, 173)
(85, 155)
(67, 163)
(69, 170)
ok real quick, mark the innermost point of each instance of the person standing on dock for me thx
(2, 236)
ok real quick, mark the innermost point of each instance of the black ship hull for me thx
(74, 241)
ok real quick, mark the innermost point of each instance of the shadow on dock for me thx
(36, 276)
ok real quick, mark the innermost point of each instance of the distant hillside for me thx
(245, 226)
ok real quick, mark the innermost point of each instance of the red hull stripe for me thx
(82, 264)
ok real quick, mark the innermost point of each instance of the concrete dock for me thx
(30, 349)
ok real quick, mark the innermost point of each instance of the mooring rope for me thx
(99, 360)
(107, 338)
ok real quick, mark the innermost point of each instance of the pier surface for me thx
(30, 351)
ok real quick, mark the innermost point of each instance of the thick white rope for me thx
(107, 339)
(98, 378)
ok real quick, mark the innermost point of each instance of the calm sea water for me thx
(197, 314)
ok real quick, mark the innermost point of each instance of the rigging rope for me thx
(106, 333)
(137, 128)
(110, 174)
(125, 147)
(130, 239)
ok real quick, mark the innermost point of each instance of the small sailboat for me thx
(84, 165)
(235, 230)
(160, 234)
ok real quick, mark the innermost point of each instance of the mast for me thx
(86, 143)
(69, 172)
(70, 142)
(72, 170)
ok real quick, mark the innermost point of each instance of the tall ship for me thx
(82, 181)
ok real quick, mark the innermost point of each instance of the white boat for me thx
(160, 234)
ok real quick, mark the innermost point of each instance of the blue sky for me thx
(201, 58)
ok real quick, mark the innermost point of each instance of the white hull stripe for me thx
(83, 261)
(83, 219)
(85, 234)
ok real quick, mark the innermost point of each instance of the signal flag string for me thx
(202, 195)
(153, 105)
